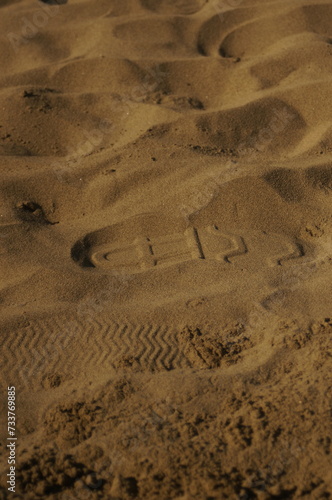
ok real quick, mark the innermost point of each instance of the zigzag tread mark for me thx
(125, 347)
(115, 339)
(159, 349)
(172, 352)
(182, 360)
(97, 341)
(147, 344)
(159, 342)
(133, 333)
(169, 348)
(107, 344)
(119, 342)
(141, 345)
(164, 361)
(47, 346)
(19, 347)
(152, 337)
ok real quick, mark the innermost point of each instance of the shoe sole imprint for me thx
(207, 244)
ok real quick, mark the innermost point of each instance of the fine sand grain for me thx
(166, 248)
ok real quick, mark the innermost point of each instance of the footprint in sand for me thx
(145, 251)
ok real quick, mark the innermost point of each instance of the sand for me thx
(165, 246)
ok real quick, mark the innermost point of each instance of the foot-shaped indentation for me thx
(221, 245)
(147, 252)
(251, 249)
(290, 251)
(116, 257)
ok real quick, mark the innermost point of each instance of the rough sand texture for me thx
(165, 246)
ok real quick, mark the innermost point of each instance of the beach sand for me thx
(166, 247)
